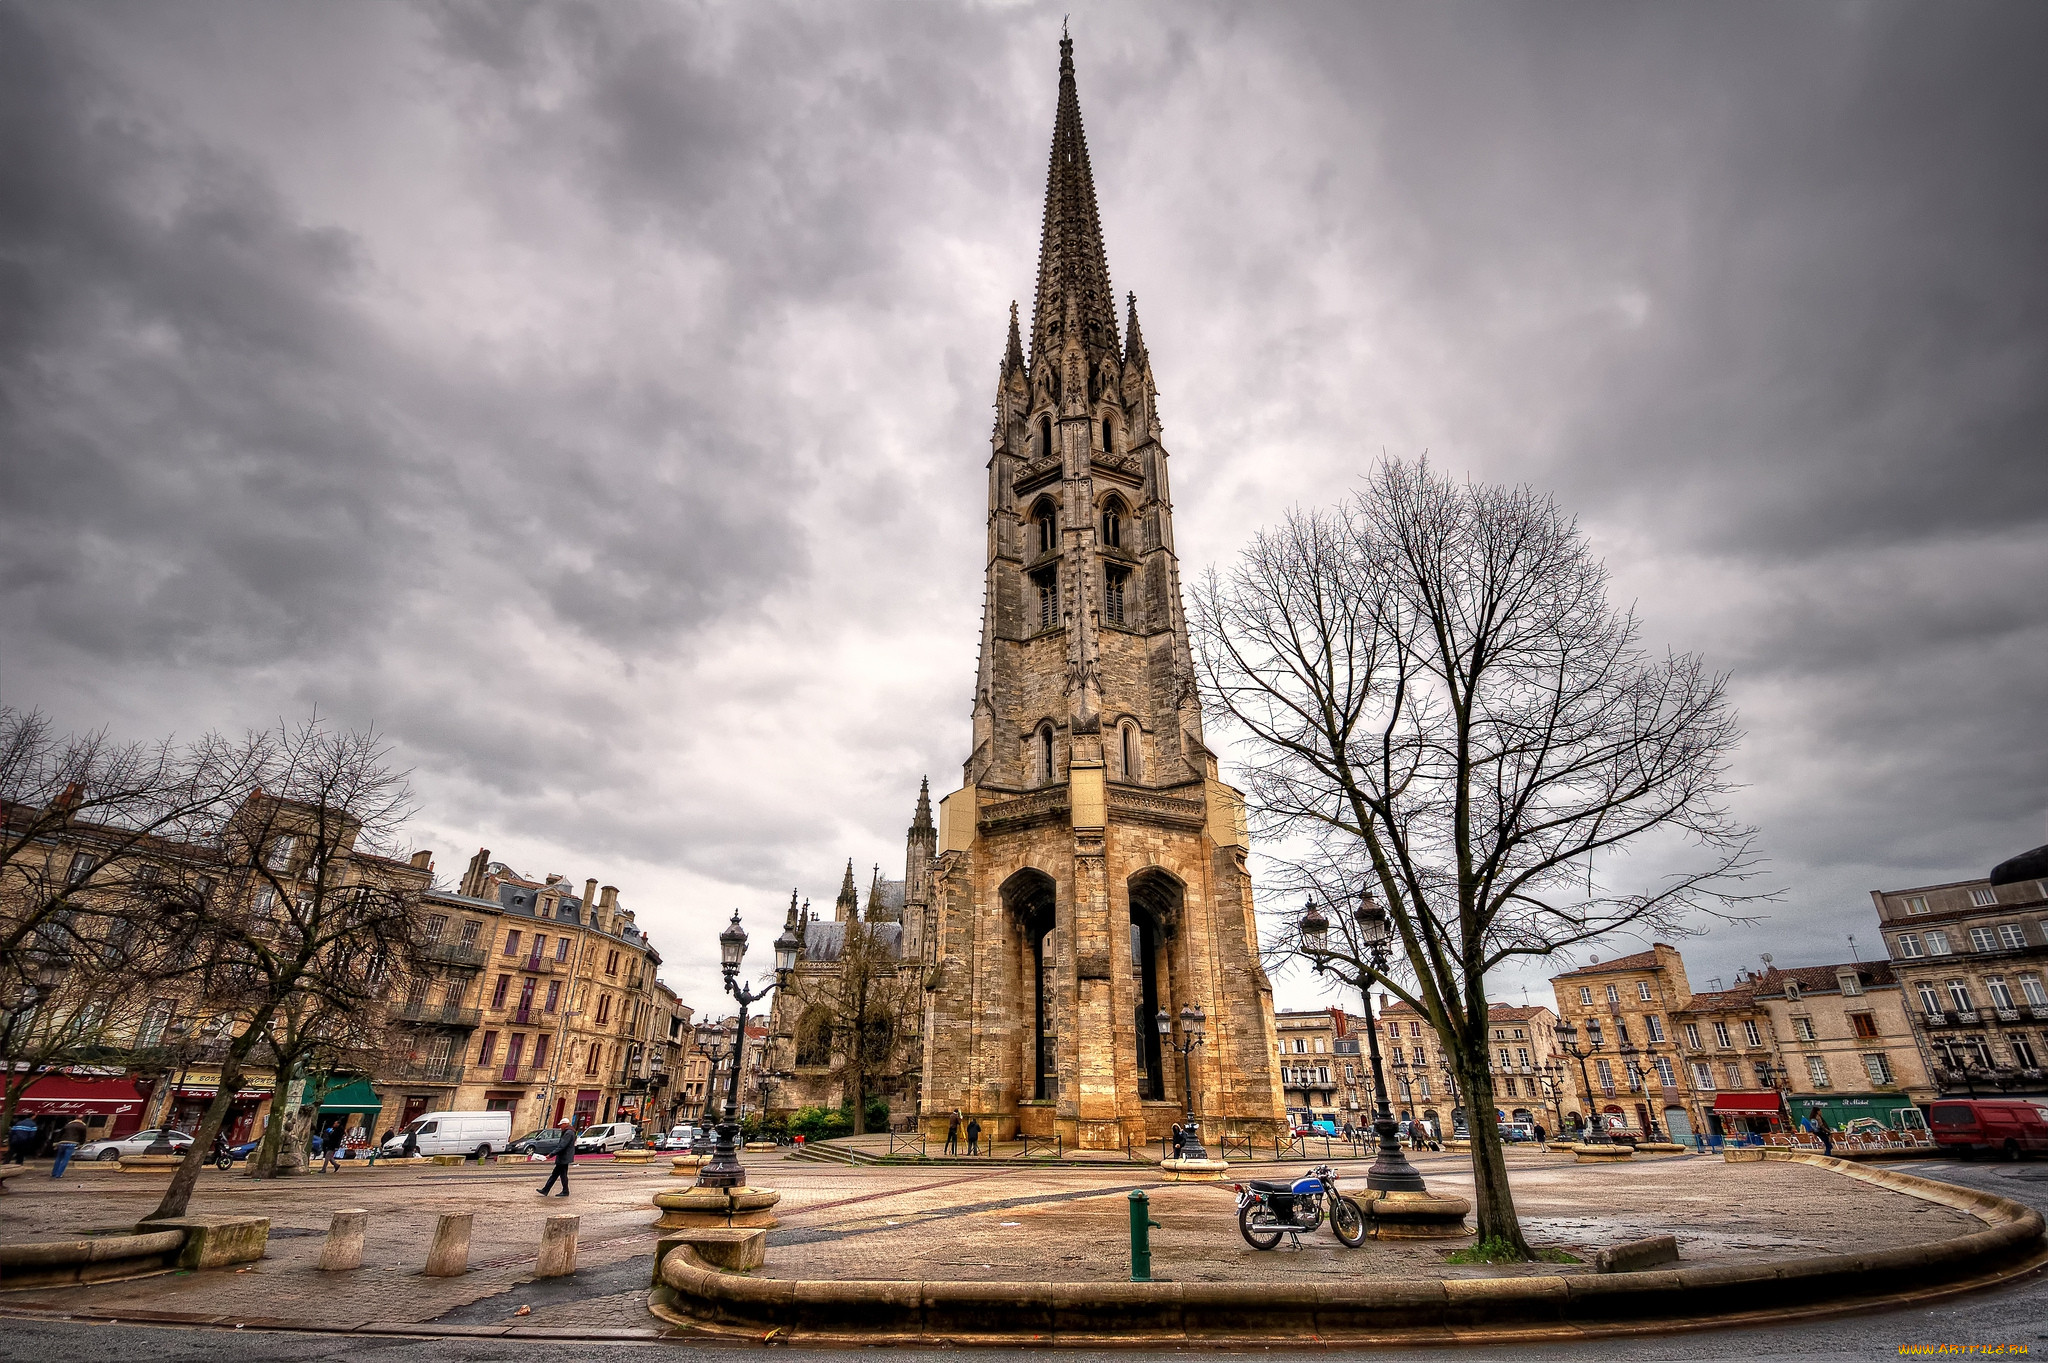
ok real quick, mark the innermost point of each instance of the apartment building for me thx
(1321, 1083)
(1530, 1084)
(1972, 959)
(546, 1006)
(1846, 1041)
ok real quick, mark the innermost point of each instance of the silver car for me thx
(136, 1144)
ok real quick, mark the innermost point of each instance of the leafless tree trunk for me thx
(869, 1001)
(1439, 705)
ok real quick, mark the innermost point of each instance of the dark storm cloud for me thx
(595, 396)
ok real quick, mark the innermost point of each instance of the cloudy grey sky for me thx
(595, 396)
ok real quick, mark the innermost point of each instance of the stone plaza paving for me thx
(962, 1222)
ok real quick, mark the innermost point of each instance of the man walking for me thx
(20, 1138)
(952, 1134)
(565, 1155)
(69, 1140)
(974, 1135)
(1818, 1125)
(330, 1159)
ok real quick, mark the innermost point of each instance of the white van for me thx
(456, 1133)
(608, 1136)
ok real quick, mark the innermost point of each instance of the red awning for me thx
(64, 1095)
(1745, 1102)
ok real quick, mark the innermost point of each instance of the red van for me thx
(2010, 1126)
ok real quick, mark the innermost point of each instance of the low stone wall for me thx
(692, 1291)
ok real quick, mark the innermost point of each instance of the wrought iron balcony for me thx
(447, 1071)
(454, 953)
(539, 965)
(1965, 1017)
(2008, 1015)
(437, 1014)
(521, 1073)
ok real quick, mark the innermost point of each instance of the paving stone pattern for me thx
(907, 1222)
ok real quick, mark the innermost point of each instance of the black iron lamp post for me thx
(1193, 1023)
(1391, 1172)
(725, 1170)
(1593, 1131)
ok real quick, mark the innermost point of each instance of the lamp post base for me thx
(1191, 1148)
(725, 1169)
(1391, 1172)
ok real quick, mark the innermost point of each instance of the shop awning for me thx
(1745, 1102)
(63, 1095)
(352, 1097)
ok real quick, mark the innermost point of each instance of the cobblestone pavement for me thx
(899, 1222)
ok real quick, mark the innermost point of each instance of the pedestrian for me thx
(1180, 1140)
(952, 1134)
(21, 1138)
(974, 1135)
(565, 1155)
(410, 1147)
(330, 1162)
(317, 1148)
(1541, 1134)
(68, 1140)
(1818, 1125)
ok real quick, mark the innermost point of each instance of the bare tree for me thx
(857, 1012)
(317, 1047)
(1438, 704)
(313, 911)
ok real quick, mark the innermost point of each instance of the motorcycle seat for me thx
(1260, 1186)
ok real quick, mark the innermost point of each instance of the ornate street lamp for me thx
(1391, 1172)
(1193, 1023)
(725, 1170)
(1593, 1131)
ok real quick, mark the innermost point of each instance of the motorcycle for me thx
(1267, 1211)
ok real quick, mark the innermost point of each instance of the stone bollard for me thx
(449, 1258)
(344, 1247)
(557, 1248)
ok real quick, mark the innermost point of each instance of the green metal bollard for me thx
(1141, 1236)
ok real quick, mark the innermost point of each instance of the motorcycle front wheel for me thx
(1256, 1239)
(1347, 1221)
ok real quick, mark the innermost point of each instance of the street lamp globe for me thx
(1567, 1034)
(785, 953)
(1374, 929)
(1192, 1020)
(1315, 932)
(732, 946)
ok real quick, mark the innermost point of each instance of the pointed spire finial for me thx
(1073, 273)
(1013, 353)
(1134, 342)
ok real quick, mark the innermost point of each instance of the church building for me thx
(1090, 871)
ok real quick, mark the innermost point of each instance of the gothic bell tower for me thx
(1090, 870)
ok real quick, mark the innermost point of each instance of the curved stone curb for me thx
(691, 1293)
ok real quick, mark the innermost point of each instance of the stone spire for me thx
(1013, 353)
(1134, 341)
(1073, 271)
(922, 823)
(847, 909)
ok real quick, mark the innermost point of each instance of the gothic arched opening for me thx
(1032, 900)
(1155, 897)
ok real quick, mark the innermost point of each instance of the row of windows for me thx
(1960, 999)
(1115, 594)
(1126, 750)
(1935, 941)
(1044, 536)
(1954, 1052)
(1981, 896)
(1045, 445)
(1614, 993)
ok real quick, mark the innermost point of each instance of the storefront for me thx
(350, 1112)
(109, 1106)
(1839, 1109)
(246, 1112)
(1743, 1114)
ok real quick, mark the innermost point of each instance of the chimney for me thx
(473, 878)
(590, 900)
(423, 861)
(608, 900)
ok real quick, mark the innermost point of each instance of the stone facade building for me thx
(1532, 1081)
(1972, 956)
(1090, 871)
(547, 1006)
(1312, 1076)
(1845, 1041)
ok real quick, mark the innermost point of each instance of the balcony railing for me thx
(1966, 1017)
(521, 1073)
(454, 953)
(437, 1014)
(539, 965)
(2008, 1015)
(431, 1072)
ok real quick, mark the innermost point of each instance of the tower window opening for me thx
(1048, 599)
(1129, 743)
(1046, 523)
(1044, 435)
(1045, 767)
(1107, 443)
(1113, 595)
(1113, 525)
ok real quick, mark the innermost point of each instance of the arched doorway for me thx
(1032, 900)
(1155, 898)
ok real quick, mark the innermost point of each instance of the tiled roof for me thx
(1724, 1000)
(1641, 960)
(1821, 979)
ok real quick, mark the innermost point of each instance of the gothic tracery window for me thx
(1113, 595)
(1113, 524)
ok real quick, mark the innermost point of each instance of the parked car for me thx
(677, 1138)
(131, 1145)
(541, 1141)
(1518, 1131)
(606, 1136)
(2012, 1127)
(1320, 1127)
(456, 1133)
